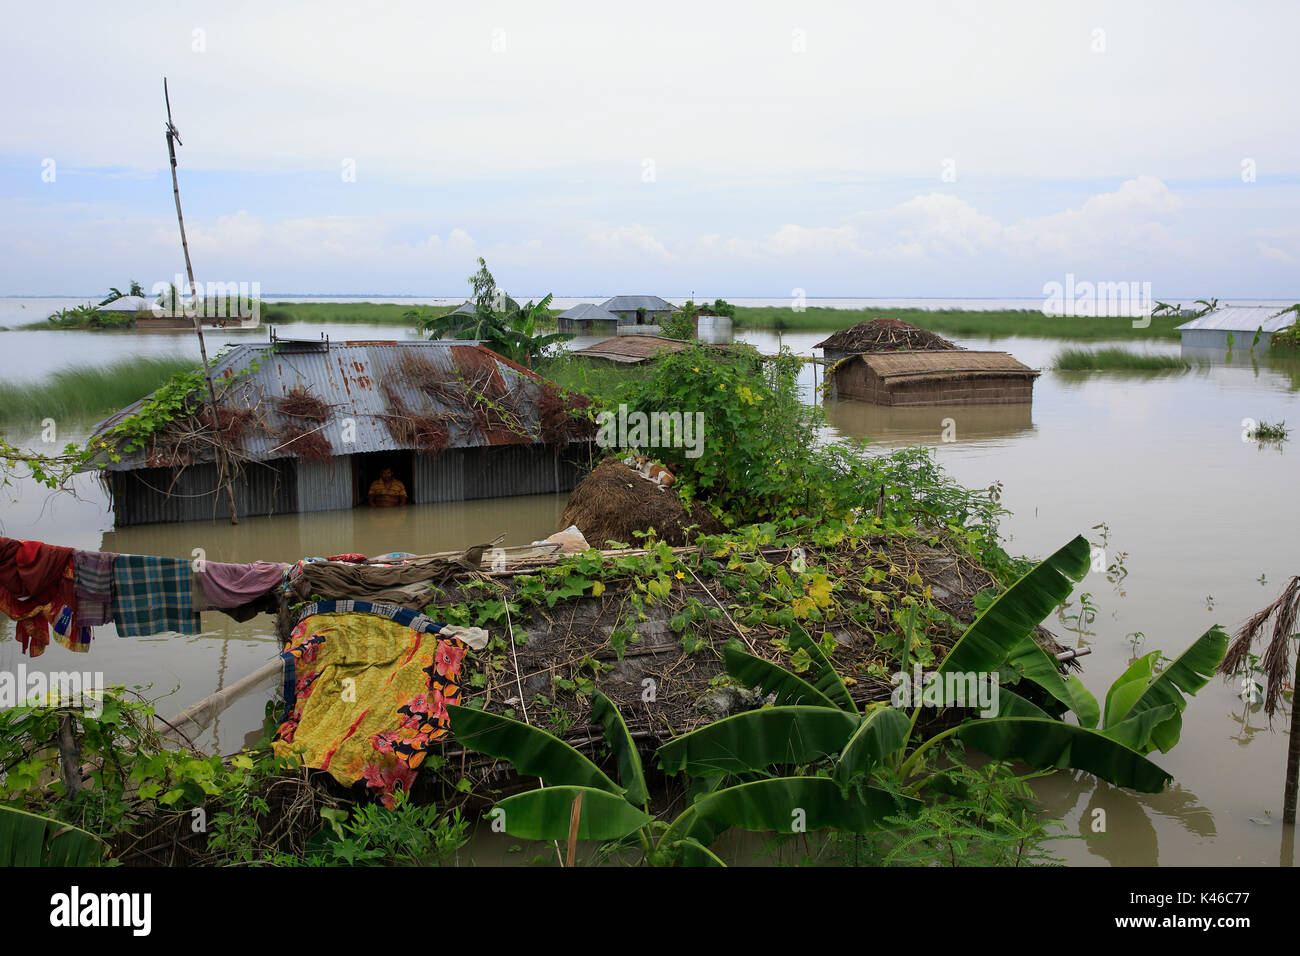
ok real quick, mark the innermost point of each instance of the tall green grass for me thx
(82, 393)
(1117, 360)
(1023, 322)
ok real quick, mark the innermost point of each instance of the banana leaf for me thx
(545, 814)
(1185, 676)
(1051, 743)
(759, 738)
(756, 672)
(30, 840)
(695, 853)
(630, 773)
(1033, 663)
(882, 732)
(1135, 733)
(1014, 614)
(532, 752)
(803, 804)
(823, 674)
(1011, 704)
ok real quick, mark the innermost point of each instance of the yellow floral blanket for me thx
(365, 689)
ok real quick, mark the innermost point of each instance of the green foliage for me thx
(980, 816)
(977, 323)
(514, 333)
(403, 835)
(27, 839)
(1117, 359)
(1288, 338)
(74, 395)
(134, 773)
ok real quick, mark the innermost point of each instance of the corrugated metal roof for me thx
(938, 363)
(631, 349)
(630, 303)
(1242, 318)
(588, 310)
(127, 303)
(357, 380)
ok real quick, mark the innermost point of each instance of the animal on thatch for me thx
(614, 502)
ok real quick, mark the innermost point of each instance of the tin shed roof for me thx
(630, 303)
(588, 310)
(365, 385)
(1242, 318)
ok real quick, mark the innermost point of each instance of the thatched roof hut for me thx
(958, 377)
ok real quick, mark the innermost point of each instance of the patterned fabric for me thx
(152, 595)
(365, 690)
(94, 587)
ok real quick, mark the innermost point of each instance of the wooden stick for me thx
(173, 137)
(574, 816)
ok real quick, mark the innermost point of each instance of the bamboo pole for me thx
(1292, 770)
(223, 469)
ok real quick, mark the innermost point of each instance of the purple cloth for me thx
(232, 585)
(93, 586)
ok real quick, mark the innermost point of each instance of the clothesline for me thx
(48, 588)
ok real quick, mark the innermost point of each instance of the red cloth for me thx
(349, 558)
(37, 582)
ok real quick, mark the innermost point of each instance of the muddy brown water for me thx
(1203, 523)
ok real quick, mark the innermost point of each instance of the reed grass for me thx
(1029, 323)
(77, 393)
(1117, 360)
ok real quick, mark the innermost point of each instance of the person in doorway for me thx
(386, 491)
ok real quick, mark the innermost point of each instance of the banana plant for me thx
(619, 811)
(30, 840)
(1143, 709)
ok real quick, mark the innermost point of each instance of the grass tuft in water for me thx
(1117, 360)
(1267, 432)
(85, 391)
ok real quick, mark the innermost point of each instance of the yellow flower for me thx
(721, 386)
(680, 575)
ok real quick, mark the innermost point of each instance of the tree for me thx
(484, 286)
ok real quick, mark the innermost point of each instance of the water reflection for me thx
(930, 424)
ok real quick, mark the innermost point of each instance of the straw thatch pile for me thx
(885, 335)
(614, 502)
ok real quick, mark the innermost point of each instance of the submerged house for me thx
(309, 426)
(889, 362)
(934, 378)
(586, 318)
(1211, 331)
(639, 309)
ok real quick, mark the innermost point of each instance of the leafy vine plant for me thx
(173, 400)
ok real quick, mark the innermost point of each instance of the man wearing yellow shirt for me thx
(386, 491)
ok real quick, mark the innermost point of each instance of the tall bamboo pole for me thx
(223, 471)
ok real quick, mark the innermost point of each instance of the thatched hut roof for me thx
(885, 335)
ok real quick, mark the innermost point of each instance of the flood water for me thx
(1203, 523)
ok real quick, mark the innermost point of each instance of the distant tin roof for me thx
(128, 303)
(915, 366)
(1242, 318)
(584, 311)
(630, 303)
(631, 349)
(359, 382)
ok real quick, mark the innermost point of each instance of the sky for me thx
(743, 149)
